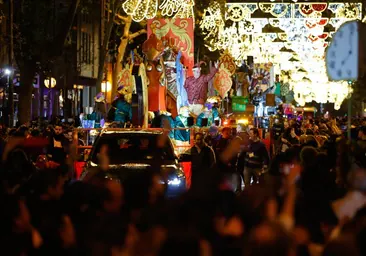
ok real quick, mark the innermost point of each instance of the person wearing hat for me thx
(121, 110)
(99, 110)
(215, 100)
(197, 88)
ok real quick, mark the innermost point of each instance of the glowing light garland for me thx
(147, 9)
(294, 36)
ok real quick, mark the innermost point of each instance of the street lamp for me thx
(50, 82)
(7, 72)
(106, 86)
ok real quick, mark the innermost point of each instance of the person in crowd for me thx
(243, 139)
(289, 138)
(312, 202)
(228, 168)
(256, 159)
(360, 147)
(277, 131)
(213, 131)
(201, 156)
(58, 147)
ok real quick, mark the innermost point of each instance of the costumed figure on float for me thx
(182, 136)
(175, 76)
(164, 119)
(215, 101)
(99, 112)
(207, 114)
(197, 88)
(262, 85)
(121, 109)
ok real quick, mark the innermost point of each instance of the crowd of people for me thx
(305, 195)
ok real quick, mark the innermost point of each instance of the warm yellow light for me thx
(50, 82)
(106, 86)
(243, 121)
(303, 34)
(147, 9)
(80, 87)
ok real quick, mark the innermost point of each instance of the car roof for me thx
(131, 131)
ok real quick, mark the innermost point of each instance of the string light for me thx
(299, 29)
(148, 9)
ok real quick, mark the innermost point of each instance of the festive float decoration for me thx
(169, 49)
(226, 61)
(177, 34)
(125, 85)
(262, 77)
(153, 49)
(223, 82)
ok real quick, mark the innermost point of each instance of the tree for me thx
(40, 31)
(127, 36)
(116, 19)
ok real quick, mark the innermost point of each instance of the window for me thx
(132, 147)
(86, 48)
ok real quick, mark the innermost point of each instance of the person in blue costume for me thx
(207, 113)
(164, 119)
(167, 121)
(181, 121)
(214, 101)
(121, 110)
(99, 111)
(216, 113)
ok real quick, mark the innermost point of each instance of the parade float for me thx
(272, 56)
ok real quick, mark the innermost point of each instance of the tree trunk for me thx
(60, 39)
(121, 53)
(25, 93)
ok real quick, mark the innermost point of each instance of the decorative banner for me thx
(222, 82)
(125, 78)
(263, 76)
(126, 84)
(178, 34)
(227, 61)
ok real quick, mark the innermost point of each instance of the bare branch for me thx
(136, 34)
(121, 17)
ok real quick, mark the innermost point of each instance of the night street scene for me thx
(182, 128)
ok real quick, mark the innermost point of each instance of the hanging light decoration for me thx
(276, 32)
(148, 9)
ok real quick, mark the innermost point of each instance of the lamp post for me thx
(50, 83)
(106, 87)
(10, 101)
